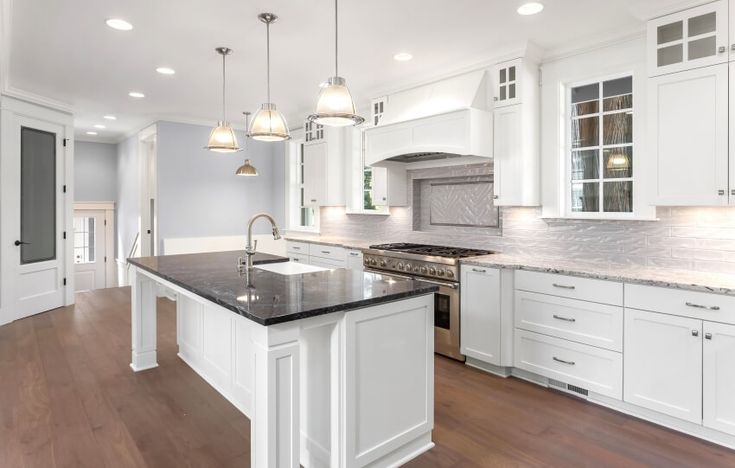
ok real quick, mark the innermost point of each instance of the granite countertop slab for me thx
(271, 298)
(717, 283)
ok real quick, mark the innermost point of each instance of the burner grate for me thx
(432, 250)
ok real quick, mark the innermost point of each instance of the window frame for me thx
(566, 153)
(294, 151)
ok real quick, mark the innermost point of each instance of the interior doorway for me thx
(94, 246)
(148, 192)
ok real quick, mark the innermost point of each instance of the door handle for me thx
(21, 243)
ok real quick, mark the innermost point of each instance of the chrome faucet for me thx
(252, 246)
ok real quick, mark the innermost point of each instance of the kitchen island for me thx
(333, 368)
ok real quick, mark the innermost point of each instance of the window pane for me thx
(670, 55)
(512, 73)
(502, 93)
(617, 87)
(585, 165)
(511, 91)
(502, 75)
(586, 93)
(702, 48)
(702, 24)
(585, 132)
(368, 200)
(670, 32)
(618, 162)
(586, 197)
(367, 178)
(618, 128)
(584, 108)
(37, 195)
(618, 197)
(618, 103)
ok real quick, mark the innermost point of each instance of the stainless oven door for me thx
(446, 315)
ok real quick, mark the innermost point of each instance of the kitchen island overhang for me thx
(333, 368)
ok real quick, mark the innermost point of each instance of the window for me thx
(300, 217)
(600, 156)
(367, 189)
(84, 236)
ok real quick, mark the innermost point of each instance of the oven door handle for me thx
(417, 278)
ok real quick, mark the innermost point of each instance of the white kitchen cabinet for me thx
(688, 137)
(718, 383)
(390, 185)
(508, 82)
(480, 325)
(697, 37)
(323, 169)
(732, 128)
(663, 363)
(354, 259)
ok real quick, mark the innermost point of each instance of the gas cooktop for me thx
(431, 250)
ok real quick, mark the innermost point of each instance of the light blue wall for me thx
(95, 171)
(198, 192)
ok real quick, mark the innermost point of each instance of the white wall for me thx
(95, 171)
(128, 195)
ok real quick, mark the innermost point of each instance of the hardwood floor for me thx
(69, 399)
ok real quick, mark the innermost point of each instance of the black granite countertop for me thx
(273, 298)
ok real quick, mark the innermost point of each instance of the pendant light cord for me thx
(268, 57)
(224, 113)
(336, 40)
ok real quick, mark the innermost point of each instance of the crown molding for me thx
(37, 99)
(561, 53)
(647, 12)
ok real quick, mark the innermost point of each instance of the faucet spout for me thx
(251, 246)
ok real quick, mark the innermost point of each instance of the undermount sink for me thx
(290, 268)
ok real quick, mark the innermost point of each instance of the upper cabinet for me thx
(516, 133)
(323, 168)
(693, 38)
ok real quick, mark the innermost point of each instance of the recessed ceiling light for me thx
(110, 117)
(119, 24)
(402, 57)
(100, 126)
(166, 71)
(530, 8)
(136, 94)
(91, 133)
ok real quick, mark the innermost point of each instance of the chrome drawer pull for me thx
(569, 363)
(295, 248)
(566, 319)
(563, 286)
(354, 254)
(479, 270)
(700, 306)
(325, 251)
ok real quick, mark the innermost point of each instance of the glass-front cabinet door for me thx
(693, 38)
(507, 81)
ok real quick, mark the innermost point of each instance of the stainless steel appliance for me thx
(434, 264)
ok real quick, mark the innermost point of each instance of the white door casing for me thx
(34, 286)
(90, 249)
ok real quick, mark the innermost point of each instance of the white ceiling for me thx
(63, 50)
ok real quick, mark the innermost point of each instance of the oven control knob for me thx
(450, 274)
(400, 266)
(432, 270)
(416, 269)
(423, 270)
(382, 263)
(440, 272)
(373, 262)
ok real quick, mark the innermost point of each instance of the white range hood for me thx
(440, 124)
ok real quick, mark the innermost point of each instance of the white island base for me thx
(344, 389)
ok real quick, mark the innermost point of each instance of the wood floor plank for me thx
(74, 401)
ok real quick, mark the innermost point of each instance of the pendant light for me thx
(246, 169)
(268, 123)
(335, 107)
(223, 139)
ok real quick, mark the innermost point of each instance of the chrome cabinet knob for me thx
(721, 49)
(695, 332)
(732, 47)
(708, 336)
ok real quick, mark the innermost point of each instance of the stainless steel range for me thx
(434, 264)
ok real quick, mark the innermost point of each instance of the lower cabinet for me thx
(354, 259)
(663, 363)
(718, 384)
(480, 323)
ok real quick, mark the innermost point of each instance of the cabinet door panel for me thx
(663, 363)
(688, 128)
(508, 160)
(718, 383)
(315, 183)
(480, 314)
(732, 126)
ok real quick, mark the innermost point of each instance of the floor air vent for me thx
(567, 388)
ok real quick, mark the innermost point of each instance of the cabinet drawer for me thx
(594, 369)
(297, 247)
(296, 257)
(581, 321)
(699, 305)
(327, 263)
(586, 289)
(327, 251)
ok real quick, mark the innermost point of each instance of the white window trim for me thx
(293, 213)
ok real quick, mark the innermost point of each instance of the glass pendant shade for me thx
(335, 107)
(246, 170)
(268, 124)
(222, 139)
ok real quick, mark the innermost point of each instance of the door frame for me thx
(11, 109)
(148, 184)
(109, 208)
